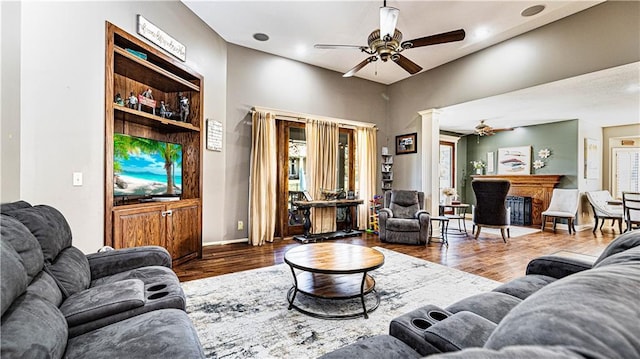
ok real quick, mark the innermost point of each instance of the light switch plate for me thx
(77, 178)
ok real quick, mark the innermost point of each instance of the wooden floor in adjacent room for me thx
(487, 257)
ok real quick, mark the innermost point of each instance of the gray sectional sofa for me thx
(58, 302)
(561, 308)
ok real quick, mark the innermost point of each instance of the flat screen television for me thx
(146, 168)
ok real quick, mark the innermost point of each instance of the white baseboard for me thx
(219, 243)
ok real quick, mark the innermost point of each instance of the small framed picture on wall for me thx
(407, 144)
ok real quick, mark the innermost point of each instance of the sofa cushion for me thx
(516, 352)
(622, 243)
(13, 276)
(166, 333)
(525, 286)
(12, 206)
(33, 328)
(45, 287)
(376, 347)
(629, 256)
(103, 301)
(24, 243)
(48, 225)
(404, 204)
(580, 311)
(71, 270)
(492, 305)
(403, 225)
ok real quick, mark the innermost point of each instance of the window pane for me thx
(296, 172)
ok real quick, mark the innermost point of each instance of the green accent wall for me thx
(561, 138)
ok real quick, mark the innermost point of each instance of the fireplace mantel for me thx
(538, 187)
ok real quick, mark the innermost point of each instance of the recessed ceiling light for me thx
(533, 10)
(482, 33)
(260, 36)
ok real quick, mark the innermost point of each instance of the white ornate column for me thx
(430, 158)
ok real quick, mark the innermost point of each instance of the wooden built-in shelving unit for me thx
(175, 225)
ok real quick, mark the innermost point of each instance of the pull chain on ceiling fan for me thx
(386, 43)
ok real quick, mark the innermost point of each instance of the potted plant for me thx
(478, 166)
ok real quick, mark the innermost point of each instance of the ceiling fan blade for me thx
(326, 46)
(445, 37)
(359, 66)
(502, 129)
(388, 21)
(409, 66)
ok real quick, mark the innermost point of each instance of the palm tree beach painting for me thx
(146, 167)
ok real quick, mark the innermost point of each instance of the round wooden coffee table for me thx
(333, 271)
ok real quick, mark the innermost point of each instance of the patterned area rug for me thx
(244, 314)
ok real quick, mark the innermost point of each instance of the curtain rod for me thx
(302, 117)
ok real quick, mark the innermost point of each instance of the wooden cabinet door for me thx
(183, 229)
(139, 226)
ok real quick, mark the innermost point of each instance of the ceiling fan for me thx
(386, 43)
(482, 129)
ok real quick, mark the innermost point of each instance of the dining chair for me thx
(631, 209)
(603, 209)
(564, 204)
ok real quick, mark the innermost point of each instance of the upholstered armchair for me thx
(490, 209)
(403, 219)
(602, 210)
(564, 204)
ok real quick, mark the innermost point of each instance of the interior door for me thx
(292, 155)
(292, 175)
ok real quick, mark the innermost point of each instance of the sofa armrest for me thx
(111, 262)
(459, 331)
(556, 266)
(385, 212)
(103, 301)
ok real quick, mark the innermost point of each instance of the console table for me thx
(538, 187)
(306, 207)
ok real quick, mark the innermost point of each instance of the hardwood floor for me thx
(487, 257)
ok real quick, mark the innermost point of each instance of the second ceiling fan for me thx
(386, 43)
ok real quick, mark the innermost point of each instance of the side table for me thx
(443, 224)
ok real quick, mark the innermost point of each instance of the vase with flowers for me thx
(478, 166)
(449, 193)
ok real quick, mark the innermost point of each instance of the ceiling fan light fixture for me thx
(388, 20)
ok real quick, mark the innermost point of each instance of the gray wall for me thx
(10, 13)
(259, 79)
(600, 37)
(62, 106)
(61, 64)
(561, 138)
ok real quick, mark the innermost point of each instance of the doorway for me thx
(292, 175)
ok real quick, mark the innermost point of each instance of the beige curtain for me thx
(322, 166)
(367, 159)
(262, 179)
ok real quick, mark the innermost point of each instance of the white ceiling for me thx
(606, 98)
(295, 26)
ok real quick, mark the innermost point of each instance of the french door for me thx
(293, 177)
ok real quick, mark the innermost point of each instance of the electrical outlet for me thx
(240, 225)
(77, 178)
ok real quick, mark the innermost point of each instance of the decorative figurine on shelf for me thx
(184, 107)
(146, 98)
(165, 111)
(147, 93)
(118, 100)
(133, 100)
